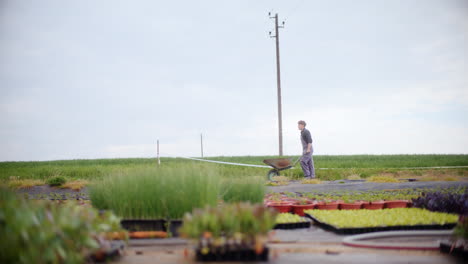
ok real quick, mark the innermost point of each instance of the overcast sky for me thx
(104, 79)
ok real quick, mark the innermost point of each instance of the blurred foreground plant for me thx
(42, 232)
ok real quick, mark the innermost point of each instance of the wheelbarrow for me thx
(279, 165)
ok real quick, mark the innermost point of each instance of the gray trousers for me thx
(307, 164)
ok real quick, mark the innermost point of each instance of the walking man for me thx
(307, 163)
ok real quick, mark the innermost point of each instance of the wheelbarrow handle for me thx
(297, 161)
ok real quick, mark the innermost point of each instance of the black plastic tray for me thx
(174, 227)
(233, 255)
(292, 225)
(361, 230)
(144, 224)
(446, 247)
(171, 226)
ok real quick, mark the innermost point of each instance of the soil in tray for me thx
(233, 255)
(361, 230)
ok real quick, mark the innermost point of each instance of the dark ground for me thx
(362, 186)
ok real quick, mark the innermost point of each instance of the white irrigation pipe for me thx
(264, 166)
(355, 241)
(228, 163)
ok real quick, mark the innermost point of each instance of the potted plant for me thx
(281, 207)
(303, 204)
(396, 204)
(350, 204)
(232, 232)
(375, 203)
(328, 204)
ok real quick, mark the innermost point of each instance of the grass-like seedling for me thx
(157, 192)
(169, 192)
(287, 218)
(354, 177)
(382, 218)
(245, 189)
(382, 179)
(56, 181)
(17, 183)
(311, 181)
(75, 185)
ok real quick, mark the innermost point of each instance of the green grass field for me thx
(344, 166)
(366, 161)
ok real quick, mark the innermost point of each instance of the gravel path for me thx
(362, 186)
(47, 192)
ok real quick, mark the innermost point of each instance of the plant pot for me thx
(351, 206)
(174, 226)
(299, 208)
(143, 224)
(281, 207)
(328, 206)
(374, 205)
(396, 204)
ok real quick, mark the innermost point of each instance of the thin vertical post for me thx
(278, 83)
(159, 161)
(201, 144)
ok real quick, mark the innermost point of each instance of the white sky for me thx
(98, 79)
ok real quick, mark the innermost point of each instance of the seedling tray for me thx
(144, 224)
(241, 255)
(361, 230)
(446, 247)
(292, 225)
(174, 227)
(171, 226)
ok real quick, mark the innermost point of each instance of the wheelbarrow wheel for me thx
(271, 174)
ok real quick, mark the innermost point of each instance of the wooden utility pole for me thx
(278, 81)
(201, 144)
